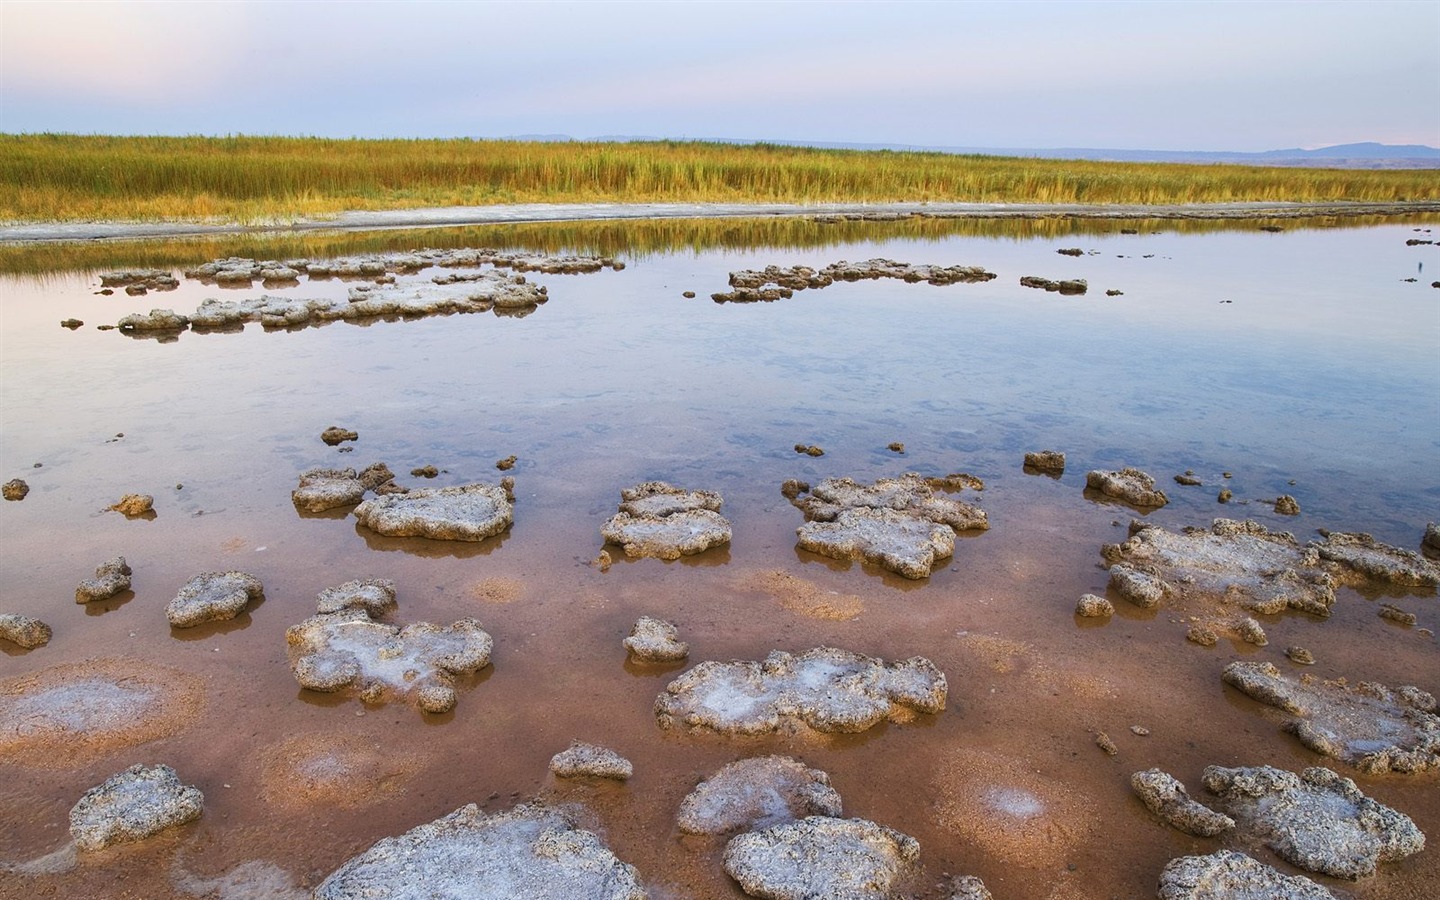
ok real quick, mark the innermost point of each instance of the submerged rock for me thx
(826, 689)
(757, 793)
(1370, 726)
(1232, 562)
(1227, 875)
(70, 714)
(111, 577)
(666, 522)
(133, 505)
(655, 640)
(583, 759)
(1364, 556)
(335, 651)
(26, 631)
(133, 805)
(1318, 820)
(374, 595)
(1046, 460)
(897, 523)
(1287, 505)
(14, 489)
(820, 858)
(212, 597)
(470, 512)
(527, 853)
(1131, 485)
(334, 769)
(322, 489)
(1167, 798)
(1430, 540)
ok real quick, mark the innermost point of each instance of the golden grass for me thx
(57, 177)
(629, 238)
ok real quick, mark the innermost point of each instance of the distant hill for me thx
(1368, 155)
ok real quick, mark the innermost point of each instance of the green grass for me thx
(57, 177)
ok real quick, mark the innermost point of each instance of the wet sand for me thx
(616, 380)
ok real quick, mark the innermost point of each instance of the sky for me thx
(1237, 76)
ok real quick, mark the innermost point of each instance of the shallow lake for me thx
(1303, 362)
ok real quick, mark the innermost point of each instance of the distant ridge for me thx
(1366, 155)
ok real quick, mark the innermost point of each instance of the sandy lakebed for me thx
(956, 700)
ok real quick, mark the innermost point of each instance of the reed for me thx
(59, 177)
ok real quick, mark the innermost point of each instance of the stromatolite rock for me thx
(526, 853)
(133, 805)
(374, 595)
(322, 489)
(757, 793)
(132, 505)
(470, 512)
(910, 493)
(897, 523)
(582, 759)
(1370, 726)
(655, 640)
(154, 279)
(1067, 286)
(819, 858)
(666, 522)
(1318, 820)
(14, 489)
(1167, 798)
(904, 544)
(1131, 485)
(1227, 875)
(826, 689)
(1093, 607)
(212, 597)
(1046, 461)
(1231, 562)
(337, 435)
(1287, 505)
(156, 320)
(348, 649)
(1363, 555)
(111, 578)
(26, 631)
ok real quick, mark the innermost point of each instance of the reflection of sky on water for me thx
(1322, 371)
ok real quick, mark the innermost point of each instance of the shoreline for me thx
(377, 220)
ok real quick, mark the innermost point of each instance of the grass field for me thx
(53, 177)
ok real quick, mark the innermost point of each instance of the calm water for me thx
(1319, 378)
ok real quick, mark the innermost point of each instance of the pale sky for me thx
(1136, 75)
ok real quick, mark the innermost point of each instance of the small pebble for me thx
(1141, 730)
(507, 463)
(897, 447)
(1102, 740)
(1300, 655)
(1224, 495)
(1093, 607)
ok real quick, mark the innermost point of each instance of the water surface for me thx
(1301, 362)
